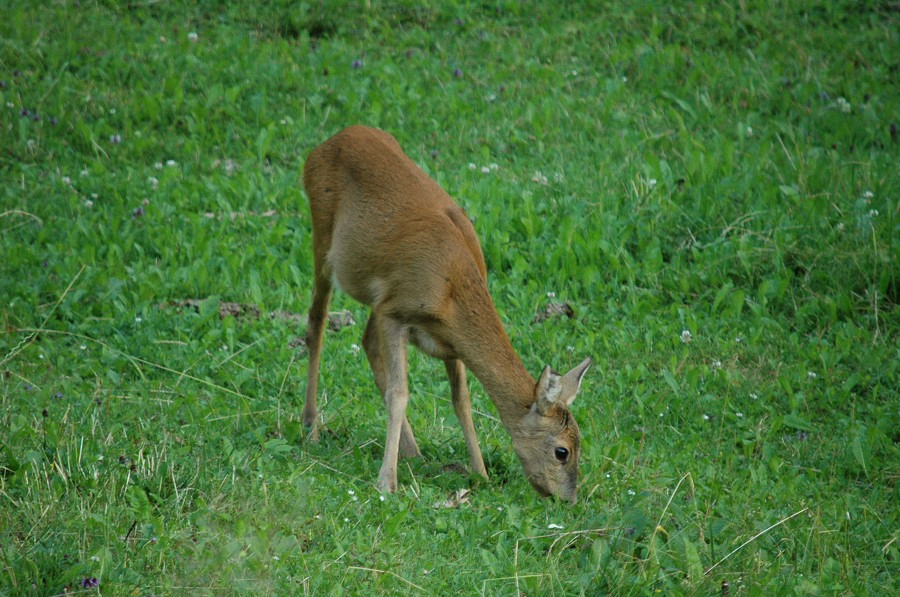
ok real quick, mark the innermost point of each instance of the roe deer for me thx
(391, 238)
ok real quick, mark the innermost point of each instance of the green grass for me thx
(726, 169)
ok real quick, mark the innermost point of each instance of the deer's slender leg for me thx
(462, 406)
(372, 345)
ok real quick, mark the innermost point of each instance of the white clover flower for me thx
(749, 131)
(840, 226)
(686, 336)
(493, 166)
(630, 492)
(551, 294)
(192, 36)
(154, 182)
(811, 374)
(83, 173)
(381, 497)
(868, 194)
(171, 163)
(472, 166)
(844, 105)
(873, 213)
(705, 417)
(553, 525)
(66, 180)
(485, 170)
(538, 177)
(753, 396)
(717, 364)
(651, 182)
(739, 415)
(158, 165)
(138, 319)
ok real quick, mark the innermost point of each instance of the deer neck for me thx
(485, 349)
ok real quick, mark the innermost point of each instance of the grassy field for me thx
(713, 188)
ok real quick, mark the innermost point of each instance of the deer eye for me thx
(562, 454)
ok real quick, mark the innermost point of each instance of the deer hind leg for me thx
(372, 344)
(393, 338)
(315, 329)
(459, 395)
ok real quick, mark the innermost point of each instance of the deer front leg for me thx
(462, 406)
(372, 345)
(396, 396)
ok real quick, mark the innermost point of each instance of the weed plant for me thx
(713, 188)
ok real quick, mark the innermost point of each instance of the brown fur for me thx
(394, 240)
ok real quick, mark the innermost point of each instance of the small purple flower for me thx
(457, 21)
(17, 72)
(137, 212)
(457, 72)
(53, 120)
(35, 116)
(23, 112)
(89, 581)
(434, 153)
(2, 83)
(407, 53)
(58, 395)
(356, 63)
(44, 263)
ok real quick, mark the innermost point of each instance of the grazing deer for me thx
(394, 240)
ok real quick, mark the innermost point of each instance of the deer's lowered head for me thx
(546, 438)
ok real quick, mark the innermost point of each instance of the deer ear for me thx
(547, 390)
(571, 381)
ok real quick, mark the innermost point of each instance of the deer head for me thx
(546, 439)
